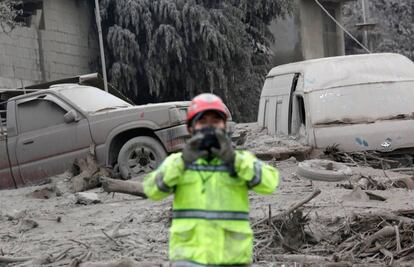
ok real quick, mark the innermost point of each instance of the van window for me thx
(39, 113)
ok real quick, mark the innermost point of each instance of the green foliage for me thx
(174, 49)
(8, 13)
(395, 25)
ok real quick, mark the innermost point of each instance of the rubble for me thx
(269, 147)
(89, 173)
(16, 215)
(284, 231)
(27, 224)
(45, 192)
(344, 223)
(370, 159)
(87, 198)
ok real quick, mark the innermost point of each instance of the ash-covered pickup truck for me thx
(42, 133)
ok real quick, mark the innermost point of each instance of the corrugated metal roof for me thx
(333, 72)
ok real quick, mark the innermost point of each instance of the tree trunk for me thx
(126, 187)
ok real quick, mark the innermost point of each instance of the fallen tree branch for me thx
(115, 232)
(80, 243)
(300, 203)
(110, 238)
(385, 232)
(292, 208)
(5, 259)
(397, 238)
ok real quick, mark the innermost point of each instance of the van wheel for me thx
(140, 155)
(323, 170)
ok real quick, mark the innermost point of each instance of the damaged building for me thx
(55, 39)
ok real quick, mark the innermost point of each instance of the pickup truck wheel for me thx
(140, 155)
(323, 170)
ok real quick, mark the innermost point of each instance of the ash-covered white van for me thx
(360, 102)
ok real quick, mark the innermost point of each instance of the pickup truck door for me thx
(47, 145)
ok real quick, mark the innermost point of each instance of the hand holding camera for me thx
(191, 151)
(210, 141)
(225, 150)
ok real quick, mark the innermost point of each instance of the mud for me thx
(34, 224)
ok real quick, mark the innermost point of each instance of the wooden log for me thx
(125, 187)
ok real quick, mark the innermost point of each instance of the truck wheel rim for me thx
(142, 160)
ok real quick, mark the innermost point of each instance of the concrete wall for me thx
(301, 35)
(59, 43)
(311, 30)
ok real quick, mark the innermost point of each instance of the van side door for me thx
(275, 108)
(47, 143)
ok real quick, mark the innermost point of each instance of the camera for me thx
(210, 139)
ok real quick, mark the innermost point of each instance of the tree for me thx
(8, 12)
(395, 25)
(161, 50)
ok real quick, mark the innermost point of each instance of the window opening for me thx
(27, 11)
(302, 113)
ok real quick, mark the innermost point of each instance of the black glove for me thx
(226, 152)
(191, 151)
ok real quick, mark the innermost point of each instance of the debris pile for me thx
(284, 232)
(372, 159)
(252, 137)
(55, 225)
(371, 237)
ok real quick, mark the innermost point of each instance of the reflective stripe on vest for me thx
(159, 179)
(257, 178)
(194, 264)
(209, 168)
(210, 215)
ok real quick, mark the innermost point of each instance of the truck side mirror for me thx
(70, 116)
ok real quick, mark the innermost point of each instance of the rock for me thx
(27, 224)
(363, 183)
(87, 198)
(292, 159)
(16, 215)
(239, 137)
(407, 183)
(356, 195)
(45, 192)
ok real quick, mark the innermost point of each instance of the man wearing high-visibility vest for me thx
(210, 182)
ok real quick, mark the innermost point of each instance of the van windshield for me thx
(364, 103)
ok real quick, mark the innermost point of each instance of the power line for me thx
(342, 27)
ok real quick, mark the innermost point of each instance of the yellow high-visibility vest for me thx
(210, 209)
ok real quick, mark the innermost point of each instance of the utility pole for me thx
(101, 46)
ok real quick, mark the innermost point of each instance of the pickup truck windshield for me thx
(92, 100)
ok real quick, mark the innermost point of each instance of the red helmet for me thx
(203, 103)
